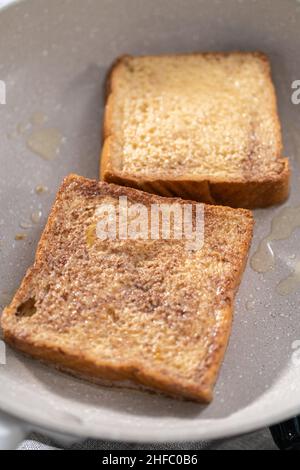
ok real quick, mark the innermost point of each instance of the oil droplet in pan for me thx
(20, 236)
(45, 143)
(38, 118)
(291, 283)
(25, 225)
(263, 259)
(250, 305)
(282, 227)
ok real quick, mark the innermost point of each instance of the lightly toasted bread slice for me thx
(197, 126)
(146, 311)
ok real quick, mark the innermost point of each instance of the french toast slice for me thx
(151, 312)
(198, 126)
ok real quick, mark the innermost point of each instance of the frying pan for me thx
(53, 59)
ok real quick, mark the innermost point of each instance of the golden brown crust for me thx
(83, 364)
(248, 193)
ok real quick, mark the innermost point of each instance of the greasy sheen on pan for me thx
(197, 126)
(145, 312)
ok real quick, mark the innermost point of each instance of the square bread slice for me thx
(197, 126)
(145, 312)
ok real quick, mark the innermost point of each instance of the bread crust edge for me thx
(248, 194)
(81, 365)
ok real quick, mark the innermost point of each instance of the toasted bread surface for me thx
(148, 311)
(199, 126)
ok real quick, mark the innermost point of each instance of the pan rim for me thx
(222, 428)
